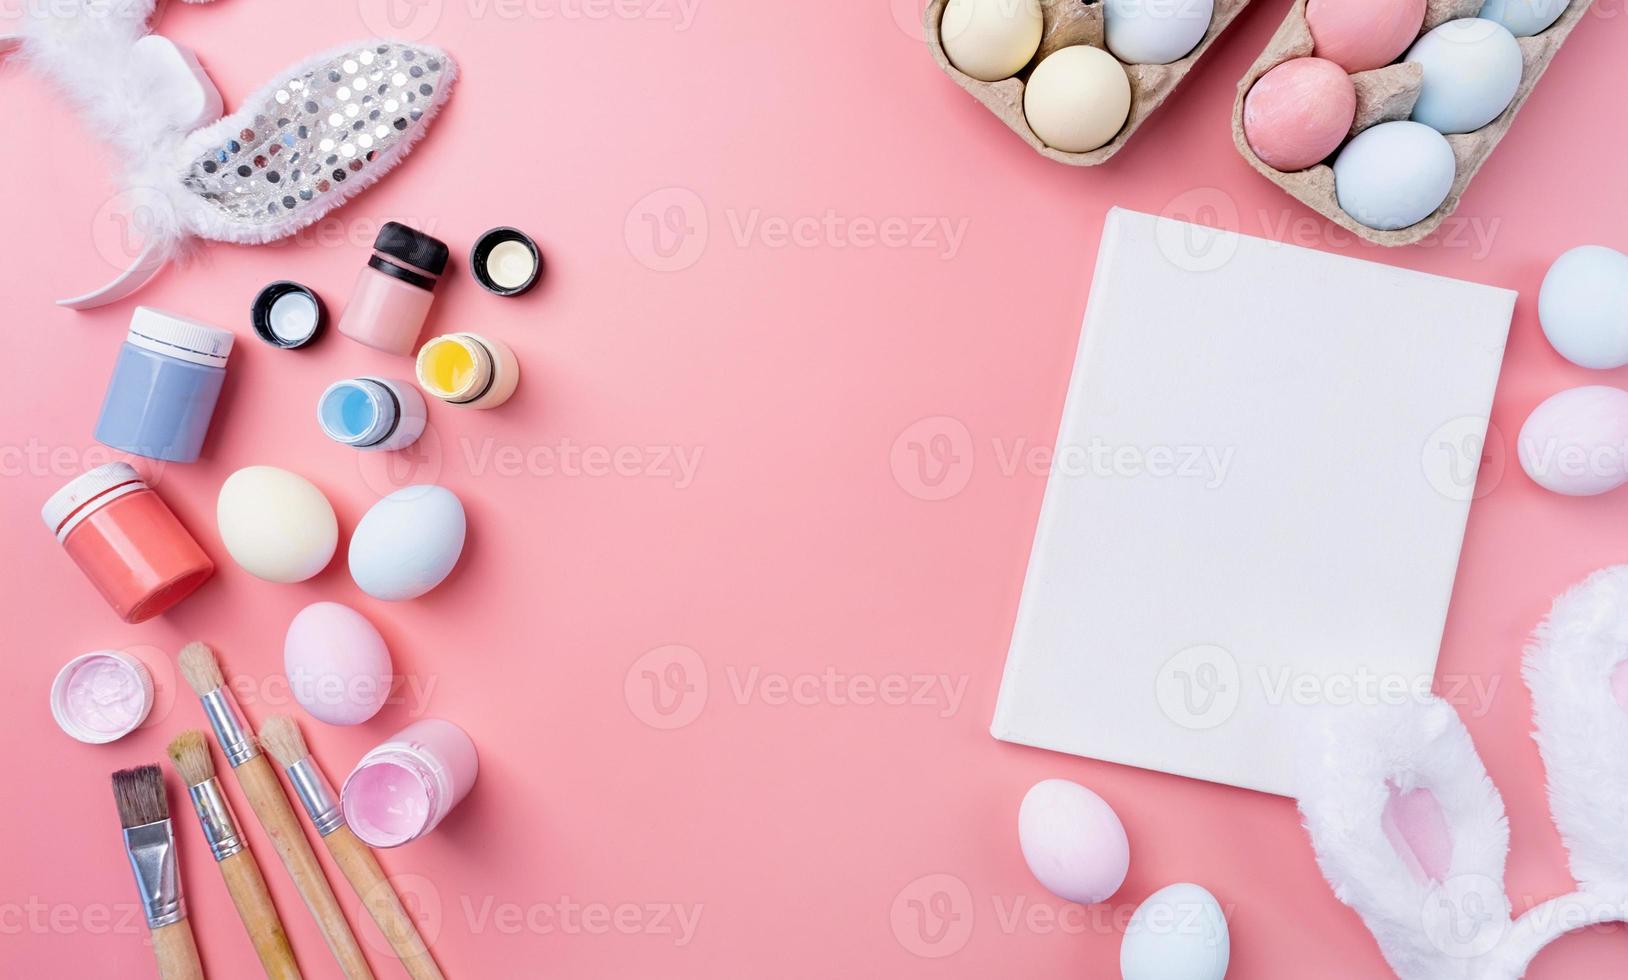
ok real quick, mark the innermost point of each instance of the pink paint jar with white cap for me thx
(402, 789)
(126, 541)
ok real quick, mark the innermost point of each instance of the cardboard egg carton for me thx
(1388, 94)
(1070, 22)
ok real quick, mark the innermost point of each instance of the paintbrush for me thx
(149, 842)
(190, 753)
(266, 798)
(281, 737)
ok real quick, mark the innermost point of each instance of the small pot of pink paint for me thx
(126, 541)
(101, 696)
(404, 788)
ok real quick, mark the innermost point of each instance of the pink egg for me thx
(1073, 841)
(337, 664)
(1297, 113)
(1576, 441)
(1361, 34)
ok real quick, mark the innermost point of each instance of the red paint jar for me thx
(126, 541)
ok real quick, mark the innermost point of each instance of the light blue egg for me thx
(1472, 69)
(1524, 18)
(1583, 306)
(407, 543)
(1394, 175)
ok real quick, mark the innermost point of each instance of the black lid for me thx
(492, 239)
(412, 247)
(260, 314)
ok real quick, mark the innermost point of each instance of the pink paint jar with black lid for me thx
(126, 541)
(393, 293)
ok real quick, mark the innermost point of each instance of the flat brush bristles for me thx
(199, 667)
(281, 737)
(190, 753)
(139, 793)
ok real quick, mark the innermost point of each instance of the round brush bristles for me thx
(281, 737)
(199, 667)
(190, 753)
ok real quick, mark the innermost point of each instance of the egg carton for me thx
(1066, 23)
(1387, 95)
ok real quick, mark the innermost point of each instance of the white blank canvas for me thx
(1257, 500)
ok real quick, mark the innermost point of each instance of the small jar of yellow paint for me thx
(468, 369)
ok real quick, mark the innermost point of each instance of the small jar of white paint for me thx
(377, 414)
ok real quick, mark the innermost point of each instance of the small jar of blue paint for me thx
(379, 414)
(165, 383)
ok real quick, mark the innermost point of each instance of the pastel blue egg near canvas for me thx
(1394, 175)
(1472, 69)
(1524, 18)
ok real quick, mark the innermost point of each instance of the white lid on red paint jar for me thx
(86, 493)
(179, 337)
(101, 696)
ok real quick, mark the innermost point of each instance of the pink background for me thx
(800, 828)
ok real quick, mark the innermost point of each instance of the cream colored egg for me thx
(990, 39)
(1077, 99)
(276, 524)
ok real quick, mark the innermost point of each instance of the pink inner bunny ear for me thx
(310, 140)
(1416, 826)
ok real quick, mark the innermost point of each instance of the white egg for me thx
(1576, 441)
(407, 543)
(1077, 99)
(1524, 18)
(1394, 175)
(1179, 933)
(1583, 306)
(990, 39)
(1155, 32)
(1073, 841)
(276, 524)
(1472, 68)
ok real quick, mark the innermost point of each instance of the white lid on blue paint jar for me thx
(179, 337)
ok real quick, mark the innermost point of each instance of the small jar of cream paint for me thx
(164, 387)
(126, 541)
(468, 369)
(402, 789)
(377, 414)
(102, 696)
(394, 291)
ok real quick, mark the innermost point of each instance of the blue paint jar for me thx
(164, 387)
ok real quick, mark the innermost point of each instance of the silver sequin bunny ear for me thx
(305, 143)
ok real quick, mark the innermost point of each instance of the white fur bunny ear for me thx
(1577, 669)
(1409, 832)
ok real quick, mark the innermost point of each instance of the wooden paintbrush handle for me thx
(271, 806)
(177, 952)
(356, 859)
(259, 915)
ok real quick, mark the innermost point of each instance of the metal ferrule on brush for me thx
(151, 849)
(219, 827)
(316, 795)
(230, 729)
